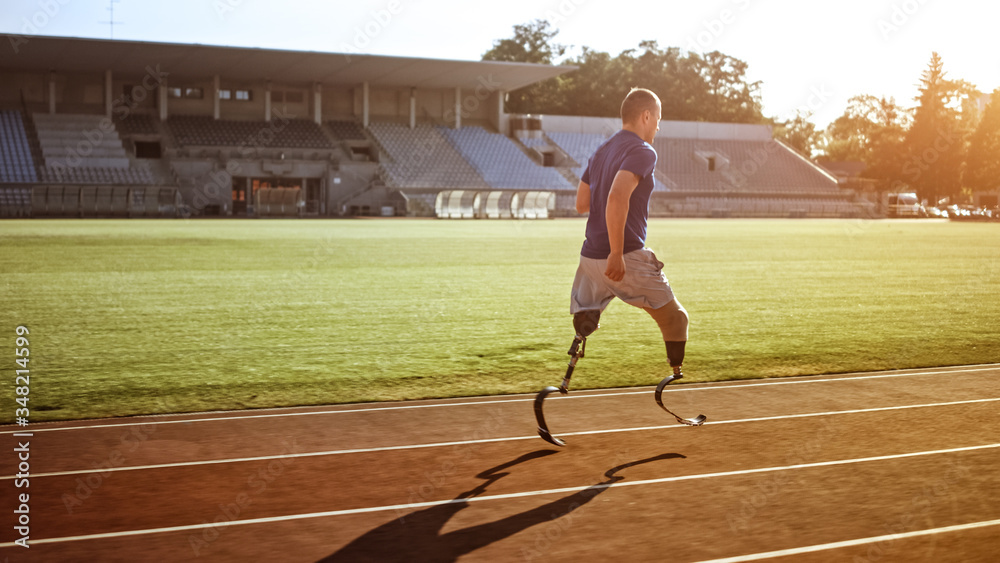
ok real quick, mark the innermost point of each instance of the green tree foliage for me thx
(798, 133)
(693, 87)
(925, 149)
(935, 145)
(727, 96)
(871, 130)
(982, 170)
(532, 43)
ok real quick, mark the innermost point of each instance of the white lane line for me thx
(417, 505)
(485, 440)
(855, 543)
(705, 386)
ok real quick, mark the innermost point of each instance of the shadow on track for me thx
(418, 537)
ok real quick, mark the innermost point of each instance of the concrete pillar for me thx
(108, 95)
(163, 96)
(458, 107)
(52, 92)
(500, 124)
(413, 108)
(318, 103)
(267, 101)
(364, 105)
(216, 86)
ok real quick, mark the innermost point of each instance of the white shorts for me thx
(644, 284)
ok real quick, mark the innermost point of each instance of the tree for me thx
(692, 87)
(532, 43)
(936, 143)
(596, 88)
(982, 170)
(798, 133)
(727, 96)
(871, 130)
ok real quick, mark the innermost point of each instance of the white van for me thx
(904, 205)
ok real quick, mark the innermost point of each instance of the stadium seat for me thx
(501, 163)
(423, 158)
(16, 162)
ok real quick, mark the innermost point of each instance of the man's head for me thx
(641, 113)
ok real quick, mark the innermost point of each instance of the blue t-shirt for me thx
(623, 151)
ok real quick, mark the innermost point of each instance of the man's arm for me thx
(583, 198)
(622, 187)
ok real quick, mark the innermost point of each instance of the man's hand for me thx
(616, 215)
(616, 268)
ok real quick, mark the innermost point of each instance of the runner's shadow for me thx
(418, 537)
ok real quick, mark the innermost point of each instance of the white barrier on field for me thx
(497, 204)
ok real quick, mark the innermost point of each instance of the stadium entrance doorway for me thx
(245, 193)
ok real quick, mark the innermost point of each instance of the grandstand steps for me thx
(36, 147)
(167, 138)
(343, 143)
(529, 151)
(163, 174)
(79, 140)
(570, 176)
(378, 150)
(341, 150)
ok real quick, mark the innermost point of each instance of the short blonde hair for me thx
(637, 101)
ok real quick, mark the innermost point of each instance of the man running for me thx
(615, 190)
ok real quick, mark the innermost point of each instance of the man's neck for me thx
(633, 129)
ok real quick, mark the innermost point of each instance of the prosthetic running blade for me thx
(543, 428)
(576, 351)
(696, 421)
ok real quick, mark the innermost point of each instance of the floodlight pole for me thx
(112, 22)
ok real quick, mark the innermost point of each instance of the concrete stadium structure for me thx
(124, 128)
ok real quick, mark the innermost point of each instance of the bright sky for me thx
(809, 55)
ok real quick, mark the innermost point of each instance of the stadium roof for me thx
(69, 54)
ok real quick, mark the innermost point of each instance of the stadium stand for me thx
(501, 163)
(97, 175)
(706, 206)
(84, 149)
(137, 124)
(423, 158)
(579, 146)
(198, 130)
(104, 201)
(16, 164)
(15, 201)
(73, 140)
(740, 166)
(347, 130)
(78, 165)
(533, 142)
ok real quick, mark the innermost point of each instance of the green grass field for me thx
(131, 317)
